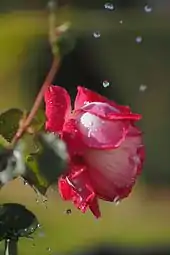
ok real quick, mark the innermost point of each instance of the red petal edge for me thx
(76, 187)
(85, 96)
(58, 107)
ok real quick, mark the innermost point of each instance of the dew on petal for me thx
(106, 84)
(109, 6)
(97, 34)
(148, 8)
(139, 39)
(142, 87)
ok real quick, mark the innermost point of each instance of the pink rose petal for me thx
(101, 134)
(106, 111)
(116, 169)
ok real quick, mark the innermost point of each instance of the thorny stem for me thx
(37, 103)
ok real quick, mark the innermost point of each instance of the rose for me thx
(105, 148)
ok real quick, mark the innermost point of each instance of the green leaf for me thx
(3, 142)
(38, 121)
(46, 165)
(9, 123)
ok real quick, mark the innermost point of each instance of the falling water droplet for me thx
(41, 234)
(37, 201)
(106, 84)
(121, 22)
(25, 182)
(44, 201)
(142, 87)
(148, 8)
(96, 34)
(139, 39)
(117, 203)
(109, 6)
(48, 249)
(116, 200)
(68, 211)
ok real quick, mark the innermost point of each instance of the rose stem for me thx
(49, 78)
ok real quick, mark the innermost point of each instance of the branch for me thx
(37, 103)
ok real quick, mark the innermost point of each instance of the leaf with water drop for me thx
(16, 221)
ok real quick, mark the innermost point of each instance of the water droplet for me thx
(106, 84)
(96, 34)
(51, 4)
(41, 234)
(109, 6)
(25, 182)
(48, 249)
(37, 201)
(117, 203)
(33, 245)
(116, 200)
(39, 225)
(148, 8)
(139, 39)
(121, 22)
(68, 211)
(142, 87)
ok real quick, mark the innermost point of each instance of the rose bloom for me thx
(105, 147)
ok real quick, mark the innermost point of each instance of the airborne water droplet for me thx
(68, 211)
(25, 182)
(142, 87)
(96, 34)
(48, 249)
(139, 39)
(41, 234)
(109, 6)
(116, 200)
(148, 8)
(106, 84)
(121, 22)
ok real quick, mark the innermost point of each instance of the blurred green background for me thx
(25, 58)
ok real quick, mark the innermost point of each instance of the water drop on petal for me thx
(106, 84)
(148, 8)
(96, 34)
(109, 6)
(139, 39)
